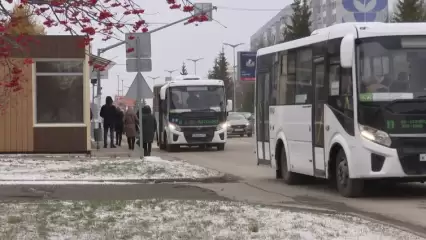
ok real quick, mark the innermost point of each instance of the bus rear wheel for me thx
(346, 186)
(289, 178)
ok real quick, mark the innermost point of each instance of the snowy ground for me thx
(154, 219)
(16, 168)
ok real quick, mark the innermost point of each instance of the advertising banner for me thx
(247, 66)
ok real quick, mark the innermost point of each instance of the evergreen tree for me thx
(22, 21)
(220, 71)
(300, 21)
(183, 71)
(409, 11)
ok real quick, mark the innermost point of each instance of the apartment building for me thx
(328, 12)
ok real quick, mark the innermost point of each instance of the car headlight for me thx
(173, 126)
(221, 126)
(375, 135)
(247, 124)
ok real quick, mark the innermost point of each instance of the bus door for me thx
(262, 118)
(320, 98)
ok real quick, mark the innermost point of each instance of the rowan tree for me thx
(108, 19)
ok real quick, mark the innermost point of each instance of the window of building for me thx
(304, 76)
(59, 92)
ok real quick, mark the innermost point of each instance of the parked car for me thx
(239, 125)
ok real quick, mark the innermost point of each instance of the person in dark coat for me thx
(119, 125)
(149, 127)
(109, 114)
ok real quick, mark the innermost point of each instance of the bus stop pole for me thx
(139, 97)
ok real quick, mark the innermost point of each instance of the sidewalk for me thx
(119, 151)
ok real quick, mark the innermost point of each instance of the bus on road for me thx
(347, 103)
(191, 112)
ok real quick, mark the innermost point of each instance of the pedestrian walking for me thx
(149, 127)
(119, 125)
(109, 114)
(130, 122)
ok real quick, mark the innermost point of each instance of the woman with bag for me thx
(130, 122)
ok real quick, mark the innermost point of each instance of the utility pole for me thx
(234, 46)
(170, 71)
(118, 89)
(195, 63)
(153, 80)
(122, 87)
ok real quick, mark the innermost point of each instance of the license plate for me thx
(238, 130)
(198, 135)
(422, 157)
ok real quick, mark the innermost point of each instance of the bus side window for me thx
(304, 76)
(346, 82)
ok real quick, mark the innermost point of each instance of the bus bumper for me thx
(370, 160)
(197, 138)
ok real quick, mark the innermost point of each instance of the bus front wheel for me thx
(289, 178)
(346, 186)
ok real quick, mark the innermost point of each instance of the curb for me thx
(219, 179)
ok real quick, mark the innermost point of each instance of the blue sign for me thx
(365, 10)
(247, 66)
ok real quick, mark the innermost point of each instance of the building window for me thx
(59, 92)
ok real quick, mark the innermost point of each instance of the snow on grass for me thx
(173, 219)
(150, 168)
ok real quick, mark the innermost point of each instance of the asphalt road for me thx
(403, 205)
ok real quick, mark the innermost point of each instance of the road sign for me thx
(168, 79)
(144, 47)
(145, 89)
(145, 65)
(204, 9)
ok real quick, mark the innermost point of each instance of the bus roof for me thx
(187, 77)
(361, 30)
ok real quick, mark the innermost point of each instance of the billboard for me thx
(247, 66)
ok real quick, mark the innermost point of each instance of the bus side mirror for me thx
(347, 51)
(229, 105)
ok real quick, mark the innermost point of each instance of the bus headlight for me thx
(222, 126)
(375, 135)
(173, 126)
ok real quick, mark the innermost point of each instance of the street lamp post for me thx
(234, 46)
(195, 63)
(153, 80)
(170, 71)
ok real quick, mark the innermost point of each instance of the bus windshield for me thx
(197, 98)
(391, 68)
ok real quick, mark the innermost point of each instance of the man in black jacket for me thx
(109, 114)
